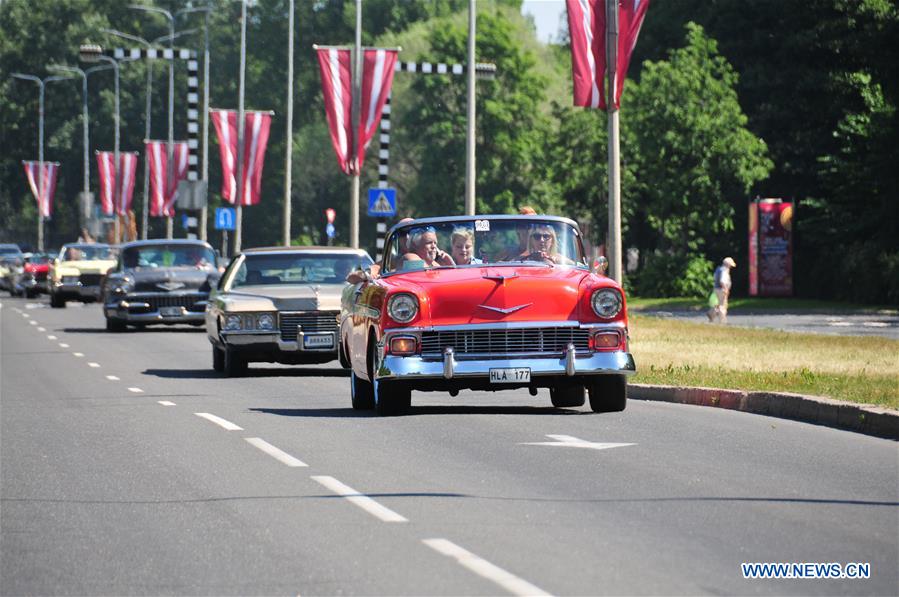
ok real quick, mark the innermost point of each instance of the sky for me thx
(546, 15)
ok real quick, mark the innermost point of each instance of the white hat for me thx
(729, 262)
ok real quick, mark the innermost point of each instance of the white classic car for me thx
(279, 305)
(77, 273)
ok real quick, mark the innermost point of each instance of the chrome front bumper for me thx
(266, 340)
(122, 311)
(416, 368)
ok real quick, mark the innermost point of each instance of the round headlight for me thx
(402, 307)
(232, 322)
(265, 322)
(606, 302)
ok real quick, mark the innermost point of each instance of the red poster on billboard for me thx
(775, 247)
(753, 249)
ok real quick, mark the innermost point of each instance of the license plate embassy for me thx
(318, 340)
(510, 375)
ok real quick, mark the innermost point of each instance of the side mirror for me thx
(600, 265)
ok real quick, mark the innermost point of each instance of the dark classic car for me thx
(279, 304)
(159, 282)
(486, 303)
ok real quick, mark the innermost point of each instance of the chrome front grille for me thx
(500, 342)
(168, 300)
(90, 279)
(311, 321)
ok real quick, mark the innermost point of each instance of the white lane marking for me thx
(220, 421)
(483, 568)
(112, 378)
(166, 403)
(26, 315)
(840, 324)
(63, 345)
(78, 354)
(42, 329)
(94, 365)
(274, 452)
(567, 441)
(51, 337)
(32, 322)
(136, 390)
(876, 324)
(359, 499)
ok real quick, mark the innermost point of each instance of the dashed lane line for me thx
(136, 390)
(94, 365)
(274, 452)
(483, 568)
(63, 345)
(51, 337)
(32, 322)
(78, 354)
(225, 424)
(166, 402)
(112, 378)
(42, 329)
(359, 499)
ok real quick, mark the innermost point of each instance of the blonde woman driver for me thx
(543, 246)
(462, 246)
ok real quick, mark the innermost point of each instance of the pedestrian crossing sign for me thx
(382, 203)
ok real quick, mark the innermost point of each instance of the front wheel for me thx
(115, 325)
(391, 398)
(569, 397)
(218, 359)
(608, 393)
(234, 365)
(361, 393)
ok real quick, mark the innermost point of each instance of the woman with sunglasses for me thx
(543, 246)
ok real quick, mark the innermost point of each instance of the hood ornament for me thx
(508, 310)
(499, 277)
(169, 286)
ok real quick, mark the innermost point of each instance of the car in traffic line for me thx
(10, 267)
(35, 271)
(279, 305)
(77, 272)
(486, 303)
(159, 282)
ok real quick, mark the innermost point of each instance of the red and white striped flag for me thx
(127, 170)
(44, 197)
(106, 170)
(377, 78)
(257, 126)
(587, 29)
(162, 195)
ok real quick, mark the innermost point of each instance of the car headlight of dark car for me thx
(402, 307)
(606, 302)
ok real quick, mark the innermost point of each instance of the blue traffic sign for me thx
(224, 218)
(329, 230)
(382, 203)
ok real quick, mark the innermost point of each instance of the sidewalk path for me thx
(844, 324)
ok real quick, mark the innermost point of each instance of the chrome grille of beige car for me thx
(500, 342)
(311, 321)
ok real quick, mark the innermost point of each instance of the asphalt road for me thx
(128, 467)
(843, 324)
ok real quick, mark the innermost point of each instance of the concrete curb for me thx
(861, 418)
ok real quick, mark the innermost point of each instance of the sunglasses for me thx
(541, 236)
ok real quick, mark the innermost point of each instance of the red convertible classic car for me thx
(485, 303)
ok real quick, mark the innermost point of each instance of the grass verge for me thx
(852, 368)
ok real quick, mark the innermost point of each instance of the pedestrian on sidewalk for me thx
(722, 290)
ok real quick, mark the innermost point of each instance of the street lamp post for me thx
(147, 113)
(240, 127)
(40, 146)
(470, 170)
(94, 53)
(288, 161)
(85, 119)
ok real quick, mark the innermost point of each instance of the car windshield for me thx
(168, 255)
(86, 253)
(297, 268)
(478, 242)
(9, 251)
(38, 259)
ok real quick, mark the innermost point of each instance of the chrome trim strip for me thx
(511, 325)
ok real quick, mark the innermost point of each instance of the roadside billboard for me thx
(770, 248)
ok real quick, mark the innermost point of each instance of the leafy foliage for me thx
(667, 274)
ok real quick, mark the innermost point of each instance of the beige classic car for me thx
(77, 273)
(279, 305)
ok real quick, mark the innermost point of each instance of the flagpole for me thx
(354, 152)
(288, 161)
(238, 224)
(615, 251)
